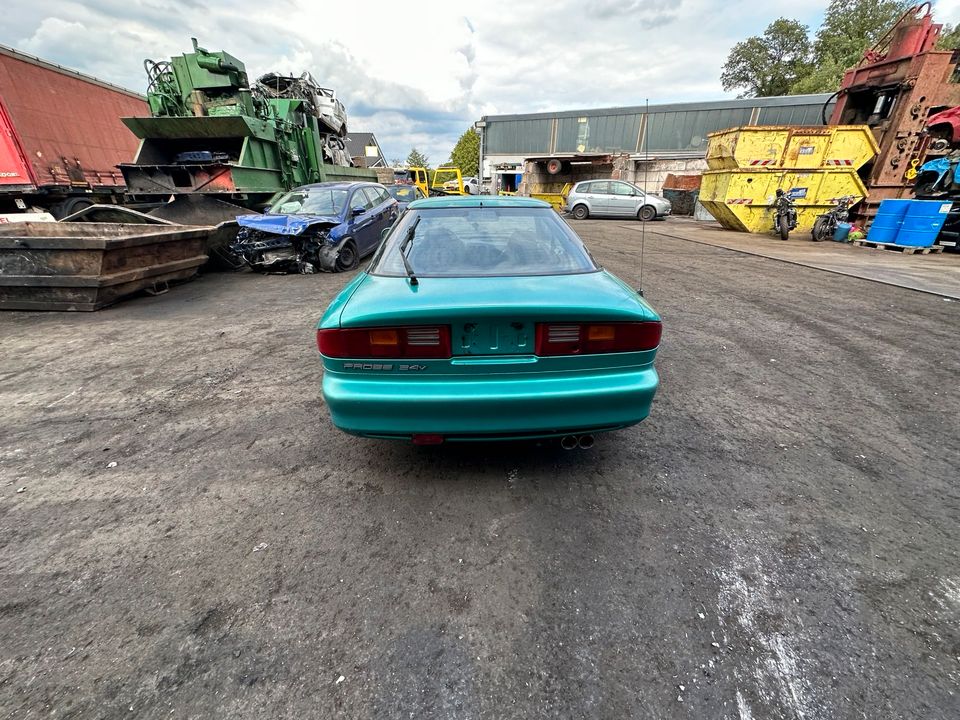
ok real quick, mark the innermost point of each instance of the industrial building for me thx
(608, 141)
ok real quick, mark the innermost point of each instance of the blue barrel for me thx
(886, 225)
(923, 222)
(840, 234)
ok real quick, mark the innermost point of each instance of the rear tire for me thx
(821, 229)
(348, 258)
(647, 213)
(783, 225)
(580, 212)
(554, 166)
(69, 207)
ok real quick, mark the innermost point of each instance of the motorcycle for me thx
(826, 224)
(784, 215)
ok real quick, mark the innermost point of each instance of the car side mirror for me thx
(356, 211)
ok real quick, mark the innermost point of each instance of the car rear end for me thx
(482, 358)
(535, 379)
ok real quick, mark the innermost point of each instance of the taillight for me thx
(396, 342)
(593, 338)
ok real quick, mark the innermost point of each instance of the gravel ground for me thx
(779, 539)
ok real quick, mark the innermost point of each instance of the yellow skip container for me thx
(808, 147)
(743, 199)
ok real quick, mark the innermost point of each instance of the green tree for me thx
(417, 159)
(824, 77)
(769, 64)
(466, 153)
(849, 28)
(949, 38)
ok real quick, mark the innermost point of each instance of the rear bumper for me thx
(487, 408)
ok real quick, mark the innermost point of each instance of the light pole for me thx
(478, 127)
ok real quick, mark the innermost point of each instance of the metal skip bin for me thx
(85, 266)
(775, 147)
(743, 200)
(815, 166)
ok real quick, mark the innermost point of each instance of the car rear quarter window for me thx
(483, 242)
(584, 187)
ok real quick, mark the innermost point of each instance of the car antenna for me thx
(646, 166)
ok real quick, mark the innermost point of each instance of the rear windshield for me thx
(482, 242)
(403, 193)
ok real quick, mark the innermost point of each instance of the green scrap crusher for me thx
(214, 135)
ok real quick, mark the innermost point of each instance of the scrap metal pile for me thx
(320, 102)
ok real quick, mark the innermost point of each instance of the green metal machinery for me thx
(214, 135)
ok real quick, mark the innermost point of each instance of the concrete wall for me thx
(655, 171)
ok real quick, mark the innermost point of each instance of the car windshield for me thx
(403, 193)
(311, 201)
(482, 242)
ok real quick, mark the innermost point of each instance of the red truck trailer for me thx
(61, 138)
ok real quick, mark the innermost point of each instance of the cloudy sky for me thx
(419, 73)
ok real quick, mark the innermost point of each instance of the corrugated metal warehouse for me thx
(674, 136)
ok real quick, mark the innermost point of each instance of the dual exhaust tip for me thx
(572, 442)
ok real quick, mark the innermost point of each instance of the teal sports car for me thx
(486, 318)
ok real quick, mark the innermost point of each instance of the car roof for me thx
(476, 201)
(628, 182)
(344, 184)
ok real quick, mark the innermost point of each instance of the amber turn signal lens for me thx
(600, 332)
(384, 337)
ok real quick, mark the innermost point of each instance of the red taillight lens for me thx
(398, 342)
(593, 338)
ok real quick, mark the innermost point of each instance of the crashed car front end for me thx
(286, 244)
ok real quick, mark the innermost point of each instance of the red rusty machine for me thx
(900, 82)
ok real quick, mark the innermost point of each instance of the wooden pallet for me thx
(905, 249)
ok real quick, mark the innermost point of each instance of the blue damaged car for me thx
(327, 226)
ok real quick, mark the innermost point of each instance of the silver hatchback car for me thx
(614, 198)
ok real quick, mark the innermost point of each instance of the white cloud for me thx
(947, 11)
(421, 73)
